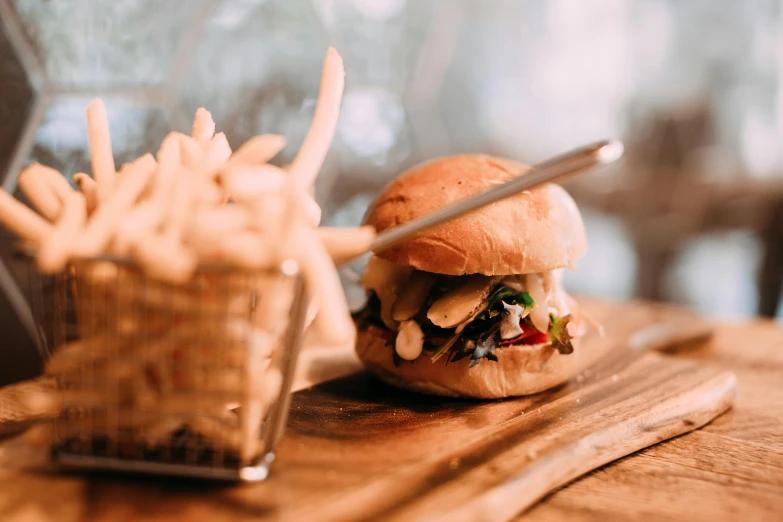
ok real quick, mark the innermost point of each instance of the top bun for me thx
(532, 232)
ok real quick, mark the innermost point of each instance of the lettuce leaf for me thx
(558, 334)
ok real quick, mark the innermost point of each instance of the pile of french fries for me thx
(195, 203)
(154, 358)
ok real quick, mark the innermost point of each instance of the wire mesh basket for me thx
(190, 379)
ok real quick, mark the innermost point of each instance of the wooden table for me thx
(730, 470)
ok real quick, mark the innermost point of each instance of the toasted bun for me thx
(520, 370)
(535, 231)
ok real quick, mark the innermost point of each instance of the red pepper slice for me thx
(529, 336)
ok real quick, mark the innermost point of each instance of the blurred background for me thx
(694, 214)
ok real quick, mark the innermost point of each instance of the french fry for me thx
(272, 381)
(244, 249)
(180, 208)
(316, 144)
(259, 149)
(169, 161)
(56, 248)
(81, 397)
(140, 221)
(145, 217)
(216, 154)
(129, 168)
(157, 353)
(208, 375)
(203, 126)
(41, 399)
(21, 220)
(97, 235)
(40, 435)
(72, 356)
(102, 273)
(216, 430)
(312, 311)
(311, 210)
(270, 218)
(191, 151)
(346, 243)
(184, 188)
(159, 431)
(123, 168)
(163, 258)
(102, 162)
(180, 403)
(58, 183)
(273, 301)
(255, 399)
(131, 323)
(190, 304)
(211, 224)
(88, 188)
(36, 185)
(245, 182)
(262, 344)
(210, 194)
(333, 320)
(184, 348)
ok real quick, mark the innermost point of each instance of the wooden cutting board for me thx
(356, 449)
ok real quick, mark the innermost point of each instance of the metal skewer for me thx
(578, 160)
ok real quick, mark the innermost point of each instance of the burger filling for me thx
(458, 317)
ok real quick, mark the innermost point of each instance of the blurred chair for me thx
(771, 274)
(667, 192)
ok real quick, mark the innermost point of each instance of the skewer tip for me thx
(611, 152)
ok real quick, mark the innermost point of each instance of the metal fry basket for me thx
(190, 379)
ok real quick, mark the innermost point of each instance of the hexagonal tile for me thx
(380, 40)
(256, 68)
(19, 358)
(374, 142)
(15, 102)
(106, 44)
(61, 140)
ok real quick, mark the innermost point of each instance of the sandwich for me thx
(474, 307)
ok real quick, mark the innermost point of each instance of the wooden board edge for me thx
(665, 421)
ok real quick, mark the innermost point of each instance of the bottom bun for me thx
(520, 370)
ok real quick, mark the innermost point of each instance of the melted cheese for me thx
(402, 291)
(410, 340)
(386, 279)
(461, 303)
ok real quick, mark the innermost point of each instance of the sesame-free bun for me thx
(535, 231)
(519, 370)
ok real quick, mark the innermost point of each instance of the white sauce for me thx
(410, 340)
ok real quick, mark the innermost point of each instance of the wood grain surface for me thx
(413, 448)
(732, 469)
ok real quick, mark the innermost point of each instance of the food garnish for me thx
(458, 317)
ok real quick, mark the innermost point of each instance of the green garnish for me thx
(558, 334)
(478, 328)
(501, 293)
(484, 350)
(478, 340)
(524, 299)
(445, 347)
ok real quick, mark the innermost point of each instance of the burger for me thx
(474, 307)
